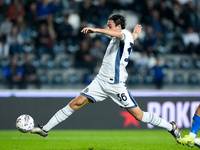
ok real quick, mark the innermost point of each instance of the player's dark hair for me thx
(118, 20)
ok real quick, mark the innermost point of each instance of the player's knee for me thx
(75, 103)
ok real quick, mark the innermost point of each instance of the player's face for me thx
(111, 25)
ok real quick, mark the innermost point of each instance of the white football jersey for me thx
(113, 69)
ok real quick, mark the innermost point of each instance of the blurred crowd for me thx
(32, 29)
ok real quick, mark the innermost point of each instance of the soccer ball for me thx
(24, 123)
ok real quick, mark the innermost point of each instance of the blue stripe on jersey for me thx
(132, 99)
(117, 61)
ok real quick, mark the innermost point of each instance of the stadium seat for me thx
(170, 64)
(59, 48)
(58, 18)
(28, 48)
(148, 79)
(44, 78)
(162, 49)
(72, 49)
(49, 64)
(166, 79)
(178, 78)
(65, 63)
(185, 64)
(197, 64)
(34, 34)
(193, 79)
(134, 79)
(57, 79)
(73, 79)
(36, 63)
(4, 62)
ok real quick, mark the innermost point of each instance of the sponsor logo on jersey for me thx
(86, 90)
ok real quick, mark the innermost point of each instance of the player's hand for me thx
(137, 29)
(88, 30)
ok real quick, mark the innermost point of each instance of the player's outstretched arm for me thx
(109, 32)
(136, 32)
(89, 30)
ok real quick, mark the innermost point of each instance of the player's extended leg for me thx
(189, 140)
(61, 115)
(155, 120)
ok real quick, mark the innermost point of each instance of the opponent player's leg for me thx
(189, 140)
(61, 115)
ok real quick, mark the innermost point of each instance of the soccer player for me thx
(110, 81)
(191, 140)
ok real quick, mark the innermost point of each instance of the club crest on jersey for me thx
(86, 90)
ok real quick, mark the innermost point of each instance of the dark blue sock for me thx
(195, 124)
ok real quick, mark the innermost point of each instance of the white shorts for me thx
(100, 90)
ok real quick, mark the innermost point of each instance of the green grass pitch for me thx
(91, 140)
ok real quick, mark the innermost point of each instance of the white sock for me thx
(192, 135)
(156, 121)
(60, 116)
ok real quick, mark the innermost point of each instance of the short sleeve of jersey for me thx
(124, 36)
